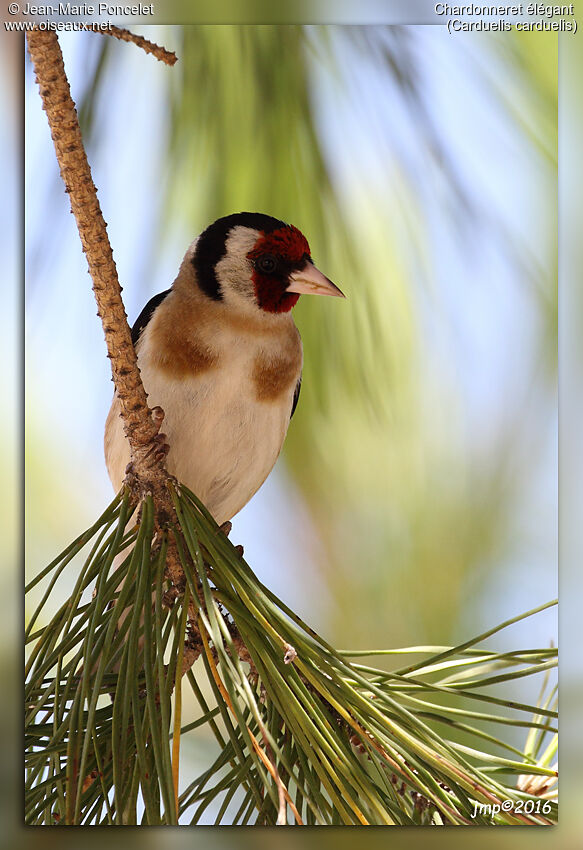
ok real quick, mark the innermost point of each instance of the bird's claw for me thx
(157, 416)
(159, 448)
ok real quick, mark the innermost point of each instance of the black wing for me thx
(296, 396)
(146, 315)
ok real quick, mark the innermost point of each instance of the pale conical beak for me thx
(310, 281)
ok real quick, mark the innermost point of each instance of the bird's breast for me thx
(171, 346)
(275, 374)
(226, 414)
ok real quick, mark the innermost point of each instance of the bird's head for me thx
(254, 261)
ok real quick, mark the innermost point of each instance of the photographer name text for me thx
(87, 10)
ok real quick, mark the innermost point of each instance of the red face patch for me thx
(289, 248)
(288, 242)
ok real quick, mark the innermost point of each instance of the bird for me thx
(220, 353)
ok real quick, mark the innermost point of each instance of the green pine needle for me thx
(304, 733)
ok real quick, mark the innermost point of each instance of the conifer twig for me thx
(140, 426)
(160, 53)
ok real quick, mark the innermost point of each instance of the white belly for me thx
(223, 442)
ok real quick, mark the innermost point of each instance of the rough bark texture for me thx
(140, 427)
(160, 53)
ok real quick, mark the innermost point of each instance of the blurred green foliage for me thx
(406, 502)
(411, 506)
(537, 67)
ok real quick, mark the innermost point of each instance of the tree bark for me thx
(141, 427)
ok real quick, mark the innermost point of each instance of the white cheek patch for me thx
(234, 270)
(191, 250)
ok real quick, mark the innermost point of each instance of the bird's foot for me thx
(159, 449)
(153, 457)
(157, 416)
(154, 454)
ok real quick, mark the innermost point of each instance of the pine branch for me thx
(160, 53)
(147, 471)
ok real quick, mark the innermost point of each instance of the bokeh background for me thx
(415, 501)
(416, 498)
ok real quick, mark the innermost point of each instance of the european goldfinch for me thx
(220, 353)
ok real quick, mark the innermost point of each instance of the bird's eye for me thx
(266, 263)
